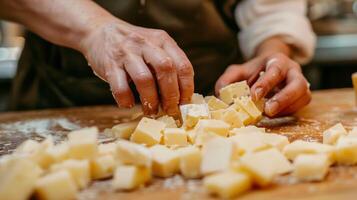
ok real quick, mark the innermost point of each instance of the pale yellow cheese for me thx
(168, 120)
(197, 99)
(133, 154)
(331, 135)
(107, 149)
(302, 147)
(346, 151)
(165, 161)
(127, 177)
(191, 113)
(216, 104)
(227, 184)
(211, 125)
(217, 114)
(311, 167)
(83, 143)
(248, 143)
(246, 129)
(28, 146)
(232, 117)
(78, 169)
(190, 161)
(216, 155)
(124, 130)
(56, 186)
(235, 90)
(275, 140)
(175, 137)
(265, 165)
(248, 105)
(353, 132)
(41, 156)
(102, 166)
(57, 153)
(204, 137)
(18, 176)
(245, 117)
(148, 131)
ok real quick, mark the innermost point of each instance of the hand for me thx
(282, 76)
(119, 52)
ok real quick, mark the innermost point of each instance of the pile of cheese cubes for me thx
(216, 142)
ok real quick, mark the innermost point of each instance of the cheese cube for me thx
(168, 120)
(216, 155)
(78, 169)
(216, 104)
(103, 166)
(217, 114)
(28, 146)
(245, 117)
(232, 117)
(124, 130)
(18, 176)
(191, 135)
(83, 143)
(247, 129)
(175, 137)
(311, 167)
(248, 106)
(353, 132)
(128, 177)
(346, 151)
(165, 161)
(211, 125)
(197, 99)
(248, 143)
(260, 104)
(41, 156)
(191, 113)
(148, 132)
(133, 154)
(204, 137)
(331, 135)
(107, 149)
(58, 185)
(275, 140)
(235, 90)
(302, 147)
(58, 153)
(227, 184)
(190, 161)
(264, 165)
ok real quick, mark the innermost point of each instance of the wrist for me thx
(273, 45)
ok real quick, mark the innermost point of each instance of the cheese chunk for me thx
(217, 114)
(78, 169)
(165, 161)
(58, 185)
(215, 104)
(346, 151)
(248, 143)
(41, 156)
(216, 155)
(83, 143)
(133, 154)
(197, 99)
(148, 132)
(211, 125)
(58, 153)
(124, 130)
(28, 146)
(302, 147)
(227, 184)
(168, 120)
(248, 106)
(107, 149)
(247, 129)
(102, 166)
(175, 137)
(275, 140)
(204, 137)
(235, 90)
(128, 177)
(264, 165)
(331, 135)
(353, 132)
(190, 161)
(243, 115)
(232, 117)
(191, 113)
(311, 167)
(18, 176)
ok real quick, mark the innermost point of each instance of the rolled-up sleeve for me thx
(262, 19)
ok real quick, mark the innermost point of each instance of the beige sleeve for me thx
(262, 19)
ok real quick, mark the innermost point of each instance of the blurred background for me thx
(334, 21)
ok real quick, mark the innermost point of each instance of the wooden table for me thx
(327, 108)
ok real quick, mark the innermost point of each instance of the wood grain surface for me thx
(327, 108)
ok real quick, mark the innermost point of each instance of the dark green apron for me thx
(54, 76)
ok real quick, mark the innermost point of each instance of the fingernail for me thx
(271, 107)
(258, 93)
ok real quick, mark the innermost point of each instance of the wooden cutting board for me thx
(327, 108)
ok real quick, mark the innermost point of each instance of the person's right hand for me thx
(160, 70)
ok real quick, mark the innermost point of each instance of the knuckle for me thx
(143, 78)
(185, 69)
(165, 65)
(137, 38)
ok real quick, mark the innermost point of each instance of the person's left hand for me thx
(282, 77)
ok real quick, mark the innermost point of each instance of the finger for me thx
(295, 88)
(184, 71)
(166, 78)
(298, 104)
(122, 94)
(275, 73)
(232, 74)
(144, 83)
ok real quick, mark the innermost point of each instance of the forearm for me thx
(64, 23)
(273, 45)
